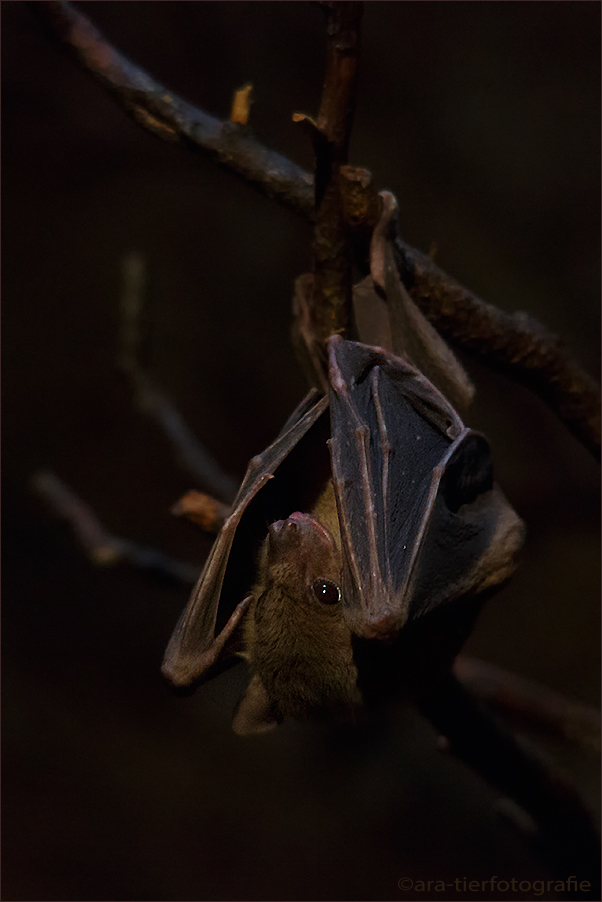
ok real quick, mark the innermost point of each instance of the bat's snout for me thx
(304, 543)
(295, 527)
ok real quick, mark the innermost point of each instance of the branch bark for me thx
(331, 262)
(515, 344)
(168, 116)
(323, 304)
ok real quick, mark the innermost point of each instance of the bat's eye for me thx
(326, 592)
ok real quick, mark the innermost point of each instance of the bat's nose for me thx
(280, 528)
(288, 527)
(298, 529)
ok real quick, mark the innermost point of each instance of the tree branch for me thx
(326, 304)
(515, 344)
(331, 262)
(165, 114)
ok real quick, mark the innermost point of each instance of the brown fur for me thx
(299, 647)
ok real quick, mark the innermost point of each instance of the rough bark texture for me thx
(513, 343)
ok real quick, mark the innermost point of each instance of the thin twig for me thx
(168, 116)
(513, 343)
(100, 546)
(203, 510)
(151, 400)
(532, 704)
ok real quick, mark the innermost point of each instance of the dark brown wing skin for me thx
(421, 522)
(194, 652)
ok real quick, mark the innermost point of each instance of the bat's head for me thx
(296, 638)
(300, 551)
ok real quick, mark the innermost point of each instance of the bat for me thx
(373, 507)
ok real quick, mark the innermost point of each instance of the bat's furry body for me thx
(298, 645)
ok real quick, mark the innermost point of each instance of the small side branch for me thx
(203, 510)
(101, 547)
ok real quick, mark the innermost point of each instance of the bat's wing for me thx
(421, 521)
(195, 652)
(412, 336)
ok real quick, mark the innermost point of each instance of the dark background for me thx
(484, 119)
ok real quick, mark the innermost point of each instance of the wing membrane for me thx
(190, 654)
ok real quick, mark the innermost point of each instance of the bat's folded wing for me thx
(421, 522)
(194, 652)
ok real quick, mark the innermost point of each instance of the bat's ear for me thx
(254, 712)
(468, 472)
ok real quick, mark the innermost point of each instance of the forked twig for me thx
(514, 343)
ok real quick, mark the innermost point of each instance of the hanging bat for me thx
(382, 509)
(403, 518)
